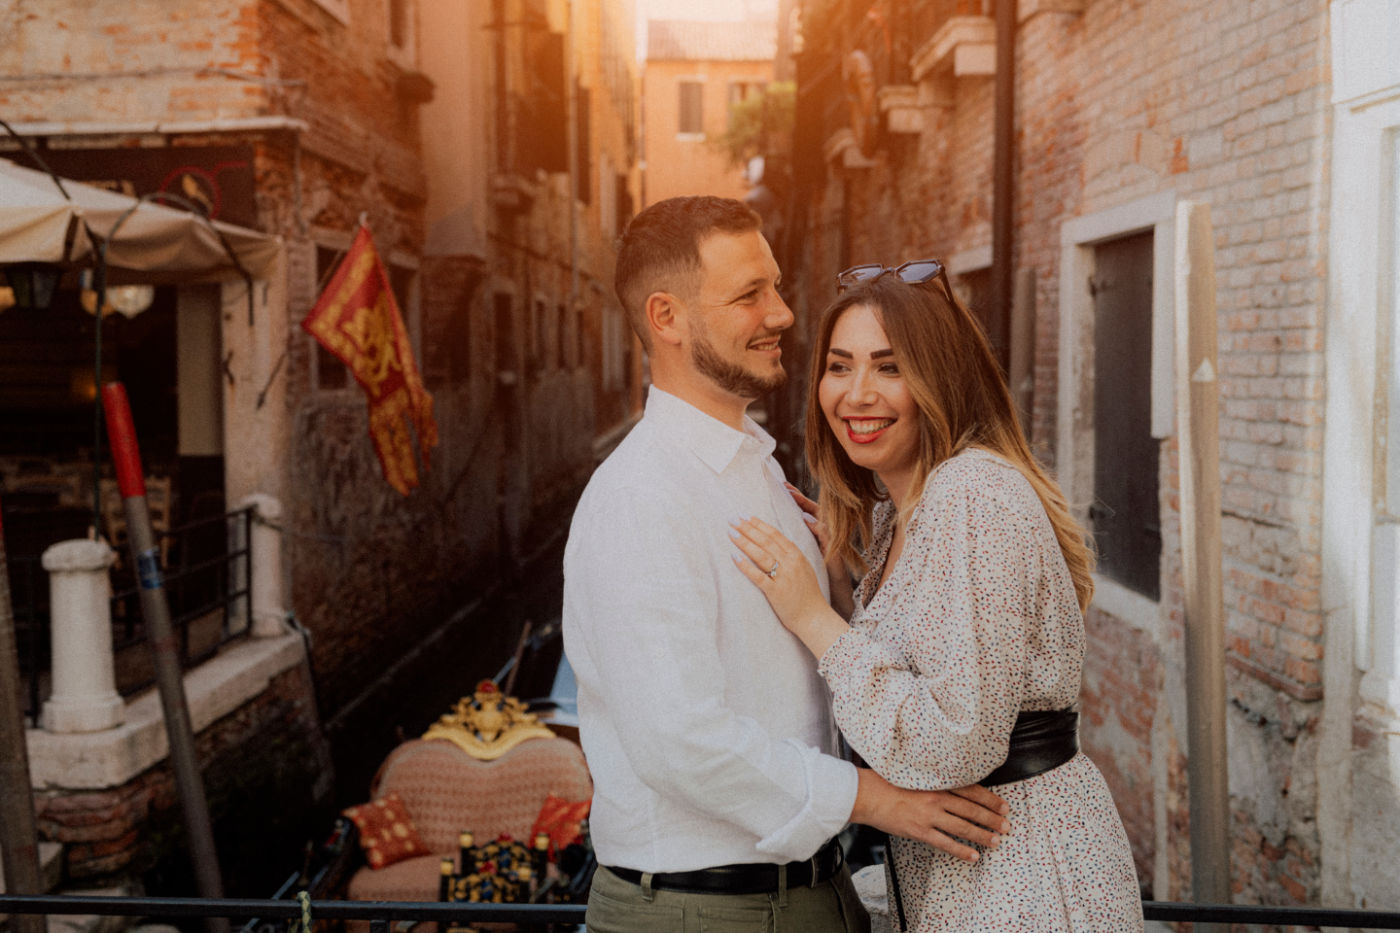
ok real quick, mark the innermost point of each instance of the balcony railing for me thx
(207, 579)
(380, 913)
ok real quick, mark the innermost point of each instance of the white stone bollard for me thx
(84, 695)
(269, 608)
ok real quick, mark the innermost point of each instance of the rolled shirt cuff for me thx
(831, 796)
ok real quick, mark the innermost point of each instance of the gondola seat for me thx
(445, 790)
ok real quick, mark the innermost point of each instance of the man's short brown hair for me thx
(660, 249)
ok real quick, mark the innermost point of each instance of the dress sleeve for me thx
(928, 697)
(649, 652)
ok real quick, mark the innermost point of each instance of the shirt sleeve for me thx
(929, 696)
(641, 606)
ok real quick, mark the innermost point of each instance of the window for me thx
(1360, 462)
(541, 320)
(584, 157)
(691, 115)
(1124, 514)
(561, 341)
(504, 307)
(398, 23)
(459, 331)
(1116, 391)
(580, 339)
(740, 91)
(607, 197)
(403, 41)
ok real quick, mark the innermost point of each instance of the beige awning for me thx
(153, 244)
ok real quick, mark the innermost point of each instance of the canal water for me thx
(471, 646)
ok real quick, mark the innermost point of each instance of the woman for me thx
(963, 654)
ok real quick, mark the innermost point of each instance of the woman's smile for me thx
(867, 430)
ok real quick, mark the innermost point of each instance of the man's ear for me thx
(663, 316)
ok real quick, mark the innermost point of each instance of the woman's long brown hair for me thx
(963, 401)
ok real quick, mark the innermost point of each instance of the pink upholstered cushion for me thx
(413, 879)
(445, 790)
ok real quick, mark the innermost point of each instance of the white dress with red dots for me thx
(977, 623)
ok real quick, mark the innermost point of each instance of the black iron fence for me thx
(208, 582)
(379, 914)
(207, 568)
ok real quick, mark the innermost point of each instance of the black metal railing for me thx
(207, 568)
(208, 583)
(380, 913)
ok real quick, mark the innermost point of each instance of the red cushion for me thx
(560, 819)
(387, 833)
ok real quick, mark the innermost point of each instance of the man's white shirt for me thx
(707, 729)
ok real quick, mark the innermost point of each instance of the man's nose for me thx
(779, 316)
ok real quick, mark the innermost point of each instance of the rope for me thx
(304, 924)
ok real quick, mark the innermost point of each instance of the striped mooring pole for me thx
(155, 610)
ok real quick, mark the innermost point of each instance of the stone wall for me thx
(268, 780)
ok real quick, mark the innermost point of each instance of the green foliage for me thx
(761, 124)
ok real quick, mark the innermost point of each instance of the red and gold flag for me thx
(358, 320)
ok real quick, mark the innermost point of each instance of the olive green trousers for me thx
(617, 906)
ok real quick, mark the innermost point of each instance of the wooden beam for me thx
(1198, 433)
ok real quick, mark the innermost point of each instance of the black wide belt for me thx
(749, 878)
(1040, 741)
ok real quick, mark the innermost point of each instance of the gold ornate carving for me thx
(488, 723)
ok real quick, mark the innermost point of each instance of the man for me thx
(707, 730)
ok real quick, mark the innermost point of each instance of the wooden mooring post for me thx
(19, 840)
(1198, 433)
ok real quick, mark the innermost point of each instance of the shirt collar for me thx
(711, 440)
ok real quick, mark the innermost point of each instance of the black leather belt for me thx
(751, 878)
(1040, 741)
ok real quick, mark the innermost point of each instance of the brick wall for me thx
(1225, 103)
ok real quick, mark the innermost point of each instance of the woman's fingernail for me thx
(809, 519)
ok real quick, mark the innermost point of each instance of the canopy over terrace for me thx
(155, 243)
(65, 228)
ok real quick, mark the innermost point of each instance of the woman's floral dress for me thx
(978, 622)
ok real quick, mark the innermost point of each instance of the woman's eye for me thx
(889, 369)
(836, 367)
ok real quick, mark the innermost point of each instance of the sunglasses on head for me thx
(914, 272)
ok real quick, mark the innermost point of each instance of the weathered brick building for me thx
(1277, 115)
(490, 149)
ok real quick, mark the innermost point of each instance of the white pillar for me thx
(84, 696)
(269, 608)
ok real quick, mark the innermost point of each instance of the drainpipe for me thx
(571, 89)
(1003, 182)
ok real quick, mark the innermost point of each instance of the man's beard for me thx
(732, 377)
